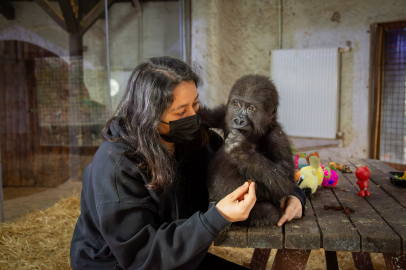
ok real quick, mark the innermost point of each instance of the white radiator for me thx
(308, 85)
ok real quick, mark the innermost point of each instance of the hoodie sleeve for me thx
(298, 193)
(139, 243)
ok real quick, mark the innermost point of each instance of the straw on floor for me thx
(41, 240)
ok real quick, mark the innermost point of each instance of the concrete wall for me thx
(231, 38)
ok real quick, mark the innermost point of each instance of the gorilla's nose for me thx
(240, 121)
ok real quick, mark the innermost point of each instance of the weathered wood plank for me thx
(376, 234)
(362, 261)
(338, 234)
(72, 24)
(3, 113)
(303, 233)
(93, 16)
(383, 167)
(331, 260)
(12, 84)
(385, 205)
(395, 261)
(235, 236)
(33, 138)
(265, 237)
(383, 180)
(260, 258)
(290, 259)
(21, 115)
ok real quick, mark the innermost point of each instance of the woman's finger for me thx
(236, 194)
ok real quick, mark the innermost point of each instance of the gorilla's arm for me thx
(214, 117)
(271, 169)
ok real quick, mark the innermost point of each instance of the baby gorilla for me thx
(255, 148)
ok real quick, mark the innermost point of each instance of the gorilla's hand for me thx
(237, 145)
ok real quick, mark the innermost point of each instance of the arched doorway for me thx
(35, 117)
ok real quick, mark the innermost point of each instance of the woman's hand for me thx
(237, 205)
(292, 208)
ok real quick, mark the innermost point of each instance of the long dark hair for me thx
(148, 95)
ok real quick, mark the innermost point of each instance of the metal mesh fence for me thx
(67, 115)
(393, 125)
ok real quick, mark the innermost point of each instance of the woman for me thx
(144, 201)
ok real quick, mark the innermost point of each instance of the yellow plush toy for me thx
(308, 181)
(315, 164)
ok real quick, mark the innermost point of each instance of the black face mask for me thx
(183, 130)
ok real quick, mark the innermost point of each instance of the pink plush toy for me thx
(296, 161)
(330, 178)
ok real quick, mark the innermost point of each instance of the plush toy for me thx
(342, 167)
(296, 159)
(302, 159)
(308, 181)
(315, 164)
(310, 155)
(297, 175)
(330, 177)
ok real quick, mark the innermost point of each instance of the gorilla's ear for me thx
(274, 109)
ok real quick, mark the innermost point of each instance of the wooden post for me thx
(331, 260)
(362, 260)
(260, 258)
(395, 261)
(291, 259)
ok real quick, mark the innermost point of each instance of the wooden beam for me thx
(93, 15)
(70, 19)
(7, 9)
(137, 5)
(52, 12)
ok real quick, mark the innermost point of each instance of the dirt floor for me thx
(19, 201)
(15, 192)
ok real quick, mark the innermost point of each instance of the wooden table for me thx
(378, 225)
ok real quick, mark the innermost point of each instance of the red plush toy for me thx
(362, 174)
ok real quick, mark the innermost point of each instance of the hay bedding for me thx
(41, 240)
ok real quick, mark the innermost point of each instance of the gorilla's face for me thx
(251, 108)
(242, 115)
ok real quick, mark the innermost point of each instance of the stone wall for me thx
(231, 38)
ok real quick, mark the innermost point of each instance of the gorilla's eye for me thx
(252, 108)
(237, 104)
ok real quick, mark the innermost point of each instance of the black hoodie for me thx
(123, 224)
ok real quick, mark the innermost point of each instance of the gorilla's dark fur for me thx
(255, 148)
